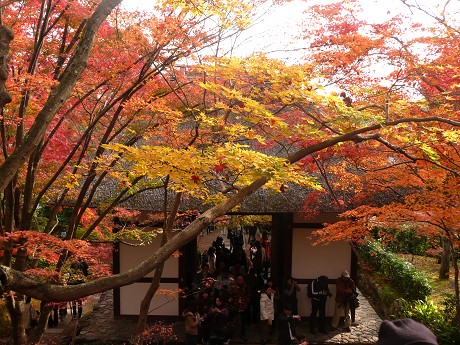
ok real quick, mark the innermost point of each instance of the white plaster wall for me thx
(310, 261)
(131, 256)
(162, 304)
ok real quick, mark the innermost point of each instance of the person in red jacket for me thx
(344, 290)
(241, 296)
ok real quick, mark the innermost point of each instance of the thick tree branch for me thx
(32, 287)
(29, 286)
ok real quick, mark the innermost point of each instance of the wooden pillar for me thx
(281, 241)
(187, 269)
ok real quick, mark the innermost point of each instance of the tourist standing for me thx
(290, 293)
(31, 316)
(192, 321)
(318, 291)
(265, 242)
(241, 297)
(344, 290)
(276, 297)
(218, 320)
(256, 287)
(267, 313)
(212, 260)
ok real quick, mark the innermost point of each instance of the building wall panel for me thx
(309, 262)
(162, 304)
(131, 256)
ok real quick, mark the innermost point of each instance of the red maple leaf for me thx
(219, 168)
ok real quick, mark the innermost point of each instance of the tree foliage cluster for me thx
(396, 68)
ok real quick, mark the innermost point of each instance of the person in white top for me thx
(267, 313)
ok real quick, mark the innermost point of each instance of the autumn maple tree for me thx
(395, 68)
(83, 76)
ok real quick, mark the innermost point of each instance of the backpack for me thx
(310, 293)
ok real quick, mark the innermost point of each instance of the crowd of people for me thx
(228, 287)
(234, 289)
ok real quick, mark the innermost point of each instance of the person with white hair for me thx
(344, 290)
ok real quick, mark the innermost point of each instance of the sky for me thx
(277, 32)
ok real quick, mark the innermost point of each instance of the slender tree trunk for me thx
(456, 285)
(37, 334)
(167, 228)
(145, 303)
(445, 259)
(15, 307)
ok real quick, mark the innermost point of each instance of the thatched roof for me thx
(261, 202)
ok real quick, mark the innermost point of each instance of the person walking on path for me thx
(344, 290)
(32, 315)
(318, 291)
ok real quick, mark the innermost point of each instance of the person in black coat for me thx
(318, 291)
(290, 293)
(218, 320)
(286, 326)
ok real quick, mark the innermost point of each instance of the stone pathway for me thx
(100, 326)
(364, 331)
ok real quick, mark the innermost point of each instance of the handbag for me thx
(353, 300)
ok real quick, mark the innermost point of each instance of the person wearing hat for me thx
(344, 289)
(405, 332)
(286, 326)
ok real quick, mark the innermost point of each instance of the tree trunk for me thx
(145, 303)
(15, 307)
(445, 259)
(456, 284)
(167, 228)
(6, 35)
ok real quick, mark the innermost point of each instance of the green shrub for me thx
(407, 241)
(387, 295)
(401, 275)
(440, 320)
